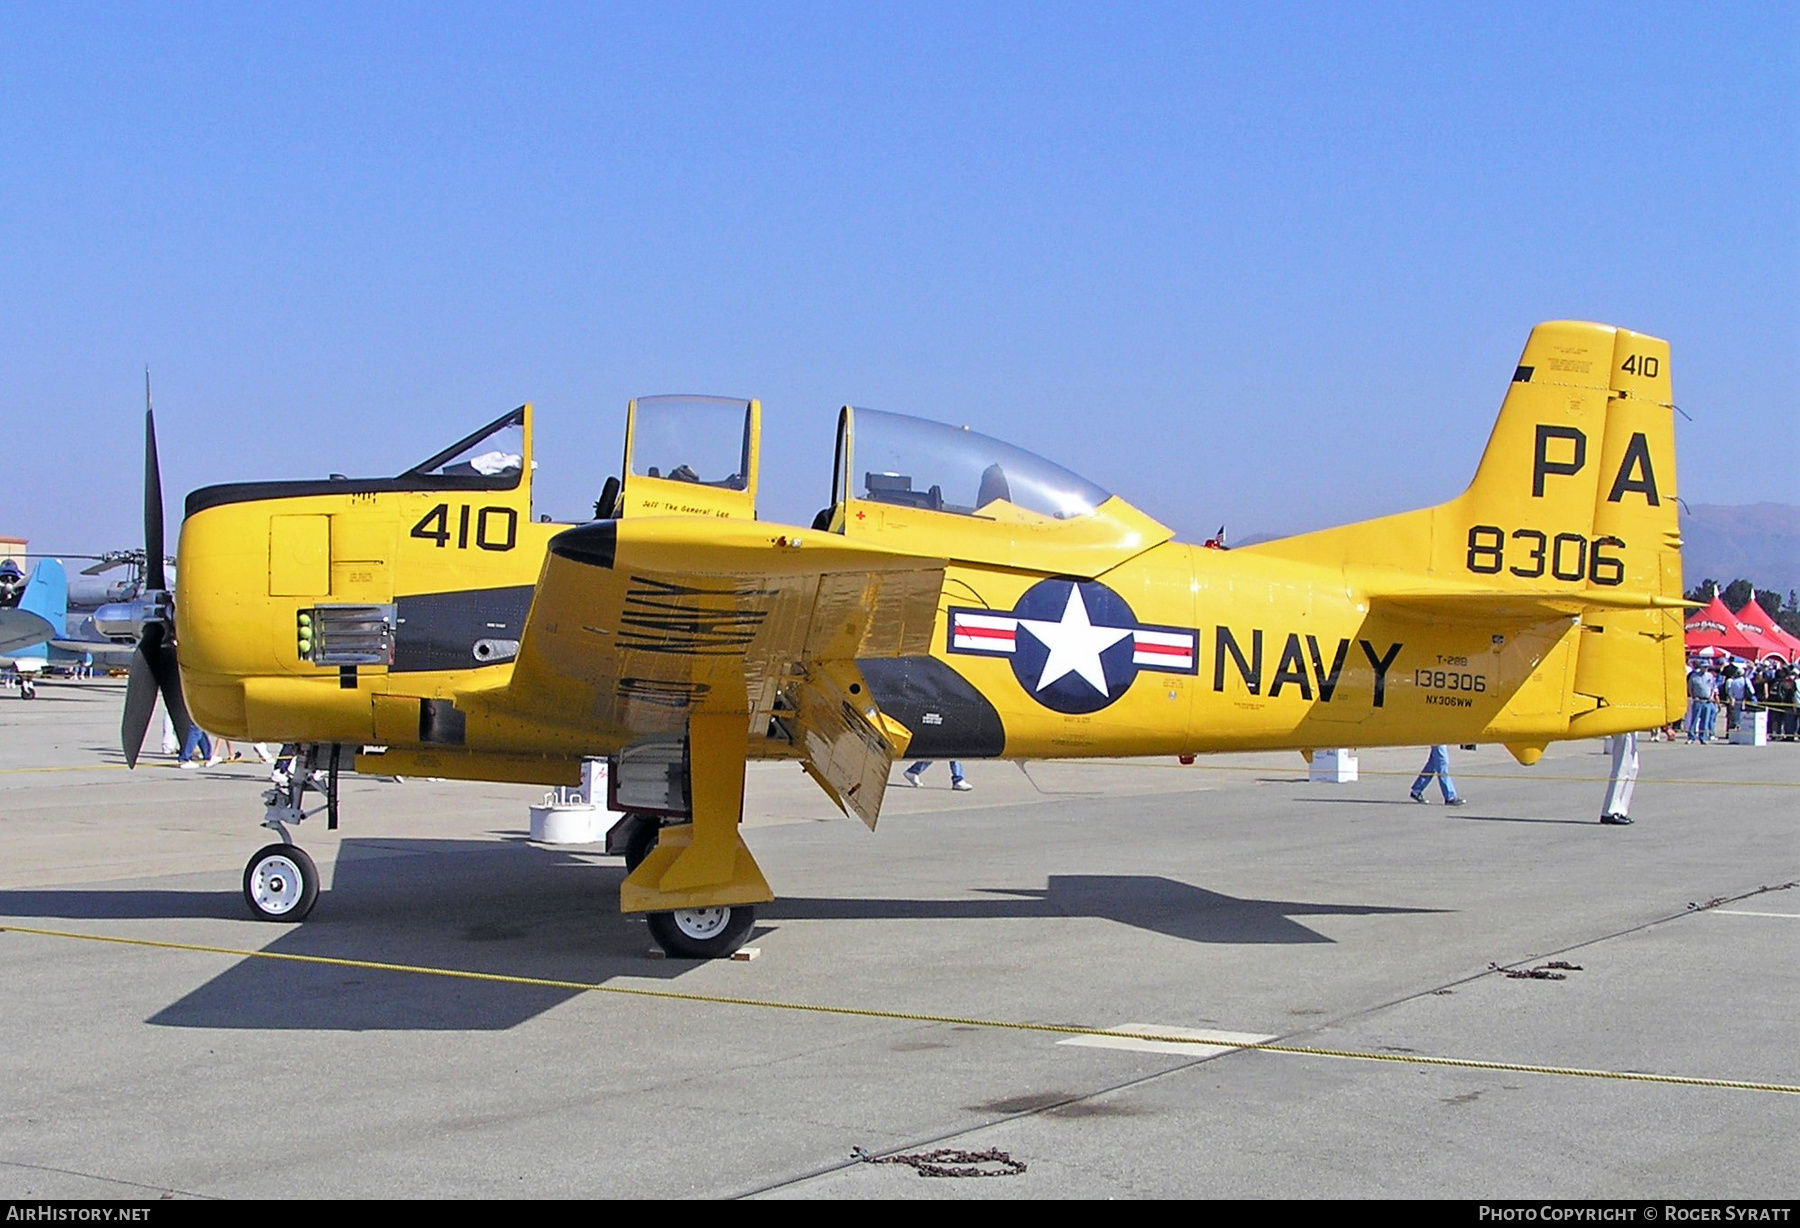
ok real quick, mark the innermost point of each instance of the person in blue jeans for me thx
(1437, 764)
(1703, 707)
(957, 782)
(197, 749)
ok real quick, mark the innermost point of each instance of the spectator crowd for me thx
(1721, 698)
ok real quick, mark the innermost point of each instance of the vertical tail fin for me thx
(1575, 494)
(1576, 491)
(1577, 485)
(46, 595)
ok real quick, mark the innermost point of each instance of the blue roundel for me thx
(1074, 645)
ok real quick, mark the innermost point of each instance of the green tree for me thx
(1789, 614)
(1703, 591)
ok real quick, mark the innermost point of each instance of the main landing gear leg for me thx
(633, 837)
(700, 883)
(281, 883)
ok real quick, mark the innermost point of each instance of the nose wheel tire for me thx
(702, 933)
(281, 883)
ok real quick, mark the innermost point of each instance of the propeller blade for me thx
(140, 696)
(153, 669)
(153, 506)
(168, 679)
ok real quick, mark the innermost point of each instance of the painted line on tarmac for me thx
(79, 767)
(1745, 912)
(125, 767)
(1194, 1042)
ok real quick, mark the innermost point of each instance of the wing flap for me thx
(845, 745)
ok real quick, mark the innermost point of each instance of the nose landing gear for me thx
(281, 883)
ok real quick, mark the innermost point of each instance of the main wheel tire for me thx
(640, 839)
(702, 933)
(281, 883)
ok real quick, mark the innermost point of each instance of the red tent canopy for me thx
(1717, 627)
(1753, 617)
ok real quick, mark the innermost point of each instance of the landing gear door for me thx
(691, 456)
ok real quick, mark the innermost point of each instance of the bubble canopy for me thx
(912, 462)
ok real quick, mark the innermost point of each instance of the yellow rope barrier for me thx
(855, 1012)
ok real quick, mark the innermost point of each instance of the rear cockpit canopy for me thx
(703, 440)
(687, 456)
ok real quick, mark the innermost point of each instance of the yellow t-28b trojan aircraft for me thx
(959, 598)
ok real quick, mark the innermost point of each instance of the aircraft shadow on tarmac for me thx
(519, 910)
(510, 909)
(1146, 902)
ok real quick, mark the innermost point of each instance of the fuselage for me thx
(1177, 650)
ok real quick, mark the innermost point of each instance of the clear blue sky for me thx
(1263, 265)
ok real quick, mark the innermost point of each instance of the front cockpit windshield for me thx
(692, 439)
(911, 462)
(496, 452)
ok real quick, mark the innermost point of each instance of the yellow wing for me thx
(638, 624)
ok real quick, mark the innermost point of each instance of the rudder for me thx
(1629, 665)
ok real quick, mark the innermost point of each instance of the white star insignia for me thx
(1075, 644)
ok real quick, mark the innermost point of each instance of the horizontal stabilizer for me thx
(1465, 605)
(97, 648)
(20, 629)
